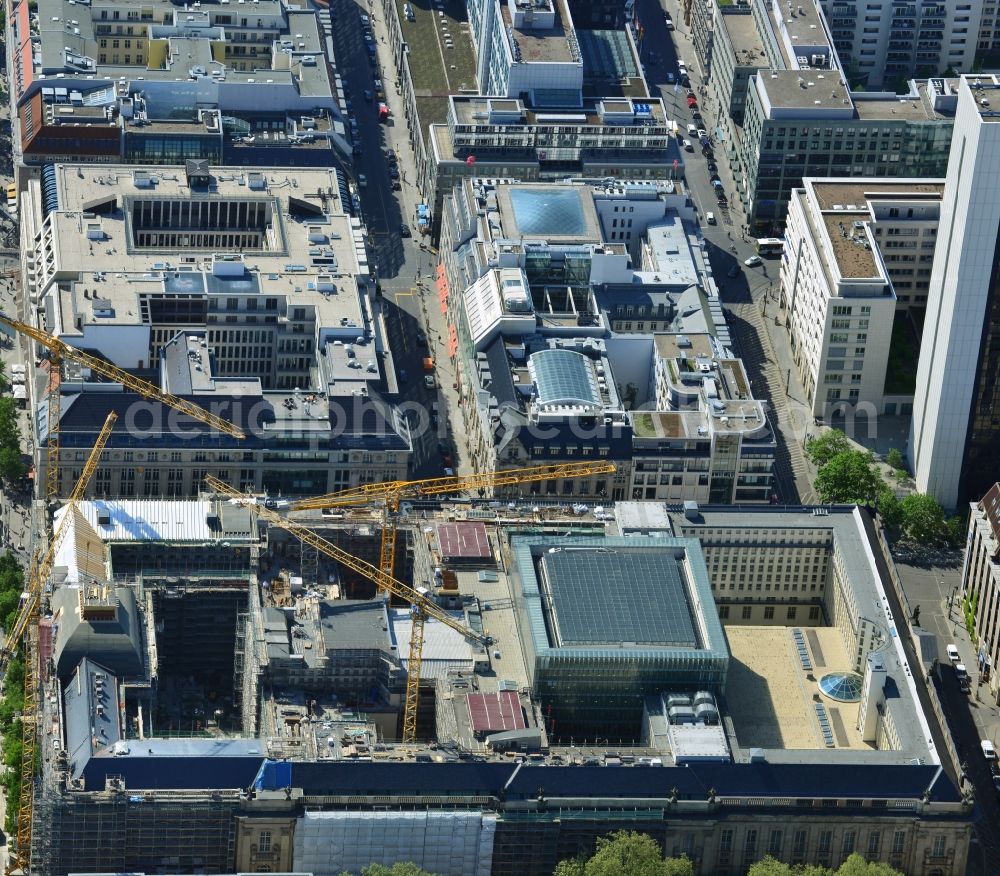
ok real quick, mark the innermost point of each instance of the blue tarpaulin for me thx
(273, 775)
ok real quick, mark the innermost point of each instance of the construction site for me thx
(397, 672)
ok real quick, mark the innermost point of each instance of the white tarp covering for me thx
(445, 843)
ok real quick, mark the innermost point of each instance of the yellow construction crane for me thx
(392, 493)
(423, 607)
(26, 627)
(60, 350)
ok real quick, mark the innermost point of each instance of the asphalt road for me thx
(405, 265)
(745, 295)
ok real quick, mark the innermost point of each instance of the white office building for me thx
(527, 48)
(954, 439)
(849, 244)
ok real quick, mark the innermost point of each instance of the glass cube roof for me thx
(563, 377)
(843, 686)
(548, 211)
(615, 596)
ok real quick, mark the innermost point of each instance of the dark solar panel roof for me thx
(496, 712)
(780, 781)
(604, 596)
(467, 540)
(177, 773)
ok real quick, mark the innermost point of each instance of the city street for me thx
(760, 340)
(405, 264)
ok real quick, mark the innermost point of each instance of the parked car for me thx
(364, 20)
(734, 272)
(692, 102)
(362, 180)
(671, 79)
(393, 173)
(753, 261)
(712, 166)
(404, 230)
(369, 96)
(429, 381)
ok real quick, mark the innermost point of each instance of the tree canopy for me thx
(855, 865)
(923, 519)
(12, 466)
(827, 445)
(400, 868)
(849, 477)
(626, 853)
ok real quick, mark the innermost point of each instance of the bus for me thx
(767, 246)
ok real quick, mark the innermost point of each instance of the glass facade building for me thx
(606, 621)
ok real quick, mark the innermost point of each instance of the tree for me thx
(923, 519)
(849, 477)
(890, 508)
(957, 528)
(770, 867)
(827, 445)
(896, 460)
(11, 465)
(626, 853)
(855, 865)
(400, 868)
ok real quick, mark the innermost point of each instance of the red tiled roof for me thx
(496, 712)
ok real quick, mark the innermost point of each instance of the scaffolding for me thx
(308, 564)
(246, 666)
(148, 832)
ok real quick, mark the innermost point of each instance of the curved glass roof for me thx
(564, 377)
(548, 211)
(843, 686)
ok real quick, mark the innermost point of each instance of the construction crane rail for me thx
(393, 491)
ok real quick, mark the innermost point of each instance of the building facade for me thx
(954, 438)
(849, 245)
(883, 45)
(810, 125)
(981, 584)
(246, 290)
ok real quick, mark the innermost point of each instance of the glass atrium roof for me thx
(602, 596)
(564, 377)
(843, 686)
(548, 212)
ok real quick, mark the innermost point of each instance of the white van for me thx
(710, 218)
(688, 145)
(989, 752)
(692, 131)
(953, 653)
